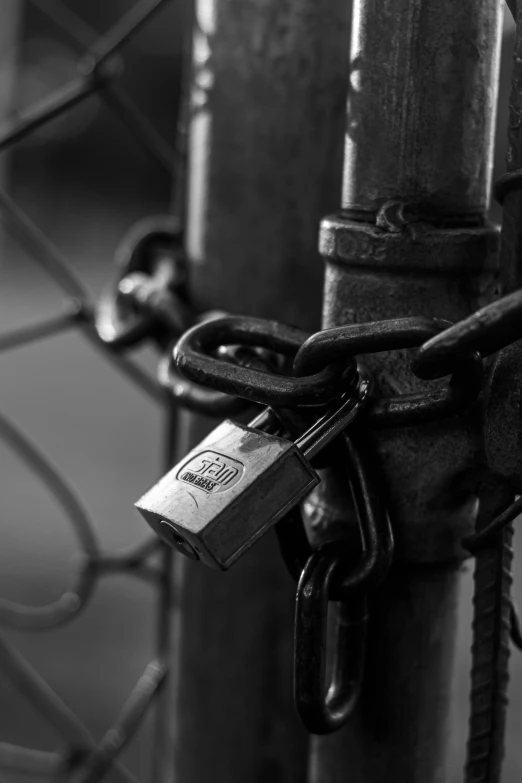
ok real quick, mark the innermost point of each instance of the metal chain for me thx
(150, 301)
(442, 349)
(343, 571)
(329, 356)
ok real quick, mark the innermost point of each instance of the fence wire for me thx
(82, 759)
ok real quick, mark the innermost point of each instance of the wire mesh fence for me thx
(82, 758)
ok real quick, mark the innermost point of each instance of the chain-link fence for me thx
(80, 756)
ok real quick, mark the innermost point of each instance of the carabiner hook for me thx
(324, 708)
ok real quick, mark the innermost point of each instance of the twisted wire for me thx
(492, 609)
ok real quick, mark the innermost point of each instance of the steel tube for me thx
(411, 240)
(421, 106)
(401, 728)
(264, 164)
(265, 152)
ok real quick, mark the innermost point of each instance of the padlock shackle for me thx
(327, 427)
(335, 420)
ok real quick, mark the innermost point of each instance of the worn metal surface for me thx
(265, 151)
(487, 330)
(400, 729)
(399, 410)
(265, 155)
(493, 607)
(503, 424)
(240, 480)
(193, 354)
(431, 70)
(431, 499)
(512, 196)
(415, 68)
(324, 705)
(218, 501)
(193, 397)
(371, 538)
(503, 419)
(343, 570)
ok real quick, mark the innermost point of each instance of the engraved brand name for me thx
(198, 481)
(211, 472)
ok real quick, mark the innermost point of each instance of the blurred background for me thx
(84, 182)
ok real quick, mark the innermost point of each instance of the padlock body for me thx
(227, 492)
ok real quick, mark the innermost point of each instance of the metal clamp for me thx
(148, 297)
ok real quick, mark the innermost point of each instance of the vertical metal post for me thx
(264, 165)
(412, 240)
(168, 620)
(12, 12)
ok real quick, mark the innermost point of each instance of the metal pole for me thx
(12, 14)
(264, 164)
(412, 240)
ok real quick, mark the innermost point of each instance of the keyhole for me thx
(173, 537)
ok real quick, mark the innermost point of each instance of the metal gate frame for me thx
(382, 195)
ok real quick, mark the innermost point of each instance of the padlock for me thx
(239, 481)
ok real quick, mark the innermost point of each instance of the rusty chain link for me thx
(329, 357)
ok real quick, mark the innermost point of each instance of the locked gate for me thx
(382, 450)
